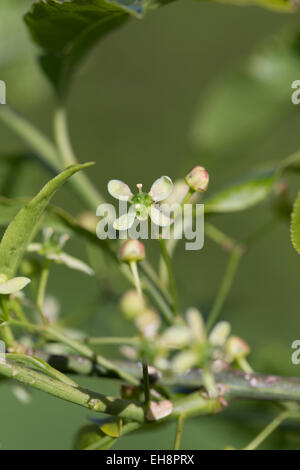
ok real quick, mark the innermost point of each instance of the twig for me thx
(234, 259)
(179, 429)
(167, 260)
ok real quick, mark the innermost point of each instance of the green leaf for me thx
(39, 364)
(279, 5)
(295, 225)
(112, 427)
(242, 195)
(56, 218)
(66, 30)
(88, 436)
(10, 207)
(22, 229)
(242, 107)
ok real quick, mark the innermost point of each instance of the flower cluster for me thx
(181, 346)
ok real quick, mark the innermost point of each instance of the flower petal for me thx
(119, 190)
(71, 262)
(159, 218)
(34, 247)
(161, 188)
(125, 221)
(142, 212)
(14, 285)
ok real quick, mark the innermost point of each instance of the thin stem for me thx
(62, 138)
(4, 307)
(46, 151)
(167, 260)
(94, 401)
(113, 340)
(82, 349)
(35, 140)
(244, 365)
(219, 237)
(237, 384)
(191, 404)
(81, 183)
(136, 278)
(187, 197)
(231, 269)
(160, 301)
(6, 333)
(274, 424)
(18, 310)
(42, 288)
(179, 429)
(153, 291)
(89, 353)
(146, 385)
(172, 242)
(150, 272)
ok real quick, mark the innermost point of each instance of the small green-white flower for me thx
(11, 286)
(142, 205)
(219, 334)
(176, 337)
(51, 248)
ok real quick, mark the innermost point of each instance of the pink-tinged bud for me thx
(148, 323)
(131, 251)
(236, 348)
(197, 179)
(88, 220)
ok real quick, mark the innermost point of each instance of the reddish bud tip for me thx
(131, 251)
(197, 179)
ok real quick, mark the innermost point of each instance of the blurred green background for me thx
(131, 110)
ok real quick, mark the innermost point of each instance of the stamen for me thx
(139, 186)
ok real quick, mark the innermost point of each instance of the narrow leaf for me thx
(243, 195)
(112, 427)
(295, 225)
(22, 229)
(278, 5)
(39, 364)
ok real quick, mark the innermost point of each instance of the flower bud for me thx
(129, 352)
(148, 323)
(219, 334)
(236, 348)
(195, 321)
(131, 251)
(88, 220)
(184, 361)
(132, 304)
(197, 179)
(177, 337)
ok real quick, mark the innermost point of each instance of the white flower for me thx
(143, 204)
(11, 286)
(51, 249)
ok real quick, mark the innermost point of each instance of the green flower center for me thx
(142, 198)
